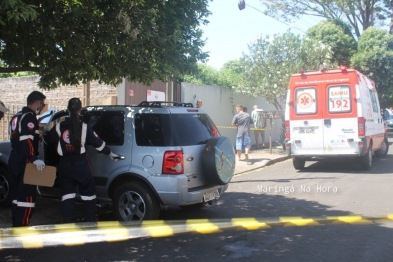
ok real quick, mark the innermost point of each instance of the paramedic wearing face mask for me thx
(24, 133)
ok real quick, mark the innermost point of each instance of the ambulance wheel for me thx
(367, 160)
(5, 189)
(298, 163)
(133, 202)
(384, 149)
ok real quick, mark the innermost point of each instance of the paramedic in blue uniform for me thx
(24, 134)
(71, 138)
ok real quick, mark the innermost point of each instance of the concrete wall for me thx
(220, 102)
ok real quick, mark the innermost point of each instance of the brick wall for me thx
(14, 91)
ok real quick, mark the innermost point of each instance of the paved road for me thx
(366, 193)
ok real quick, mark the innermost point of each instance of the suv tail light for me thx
(287, 130)
(361, 126)
(173, 163)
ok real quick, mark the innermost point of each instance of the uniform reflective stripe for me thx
(59, 150)
(68, 196)
(25, 204)
(14, 202)
(101, 147)
(21, 138)
(83, 139)
(86, 198)
(20, 121)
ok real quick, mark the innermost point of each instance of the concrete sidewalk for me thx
(259, 158)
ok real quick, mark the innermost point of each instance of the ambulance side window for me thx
(339, 98)
(305, 102)
(374, 101)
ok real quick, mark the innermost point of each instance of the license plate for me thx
(306, 131)
(211, 196)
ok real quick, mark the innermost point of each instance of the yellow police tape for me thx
(82, 233)
(253, 128)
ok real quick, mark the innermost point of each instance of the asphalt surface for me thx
(322, 189)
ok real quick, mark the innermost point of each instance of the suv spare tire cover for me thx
(218, 160)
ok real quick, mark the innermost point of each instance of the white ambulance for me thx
(333, 113)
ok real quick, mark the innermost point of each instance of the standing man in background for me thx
(259, 123)
(199, 104)
(24, 133)
(3, 110)
(242, 121)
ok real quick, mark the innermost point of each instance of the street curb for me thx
(267, 163)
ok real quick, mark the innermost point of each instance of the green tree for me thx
(16, 10)
(85, 40)
(272, 60)
(375, 59)
(359, 14)
(336, 35)
(228, 76)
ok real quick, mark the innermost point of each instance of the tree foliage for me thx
(85, 40)
(228, 76)
(16, 10)
(336, 35)
(375, 59)
(359, 14)
(271, 61)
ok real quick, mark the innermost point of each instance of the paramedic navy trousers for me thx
(23, 195)
(75, 173)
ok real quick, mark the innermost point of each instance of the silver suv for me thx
(172, 154)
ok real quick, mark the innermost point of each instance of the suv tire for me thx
(384, 149)
(218, 160)
(133, 202)
(5, 190)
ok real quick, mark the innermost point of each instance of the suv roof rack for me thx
(160, 104)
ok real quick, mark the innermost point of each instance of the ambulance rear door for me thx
(340, 121)
(306, 122)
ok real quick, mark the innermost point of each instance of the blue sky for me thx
(230, 30)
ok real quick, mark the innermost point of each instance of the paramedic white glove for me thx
(40, 164)
(114, 156)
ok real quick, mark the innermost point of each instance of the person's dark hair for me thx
(35, 96)
(74, 105)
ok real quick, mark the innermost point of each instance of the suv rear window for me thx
(173, 129)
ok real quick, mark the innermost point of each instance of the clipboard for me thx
(45, 177)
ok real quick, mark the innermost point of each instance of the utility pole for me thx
(86, 94)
